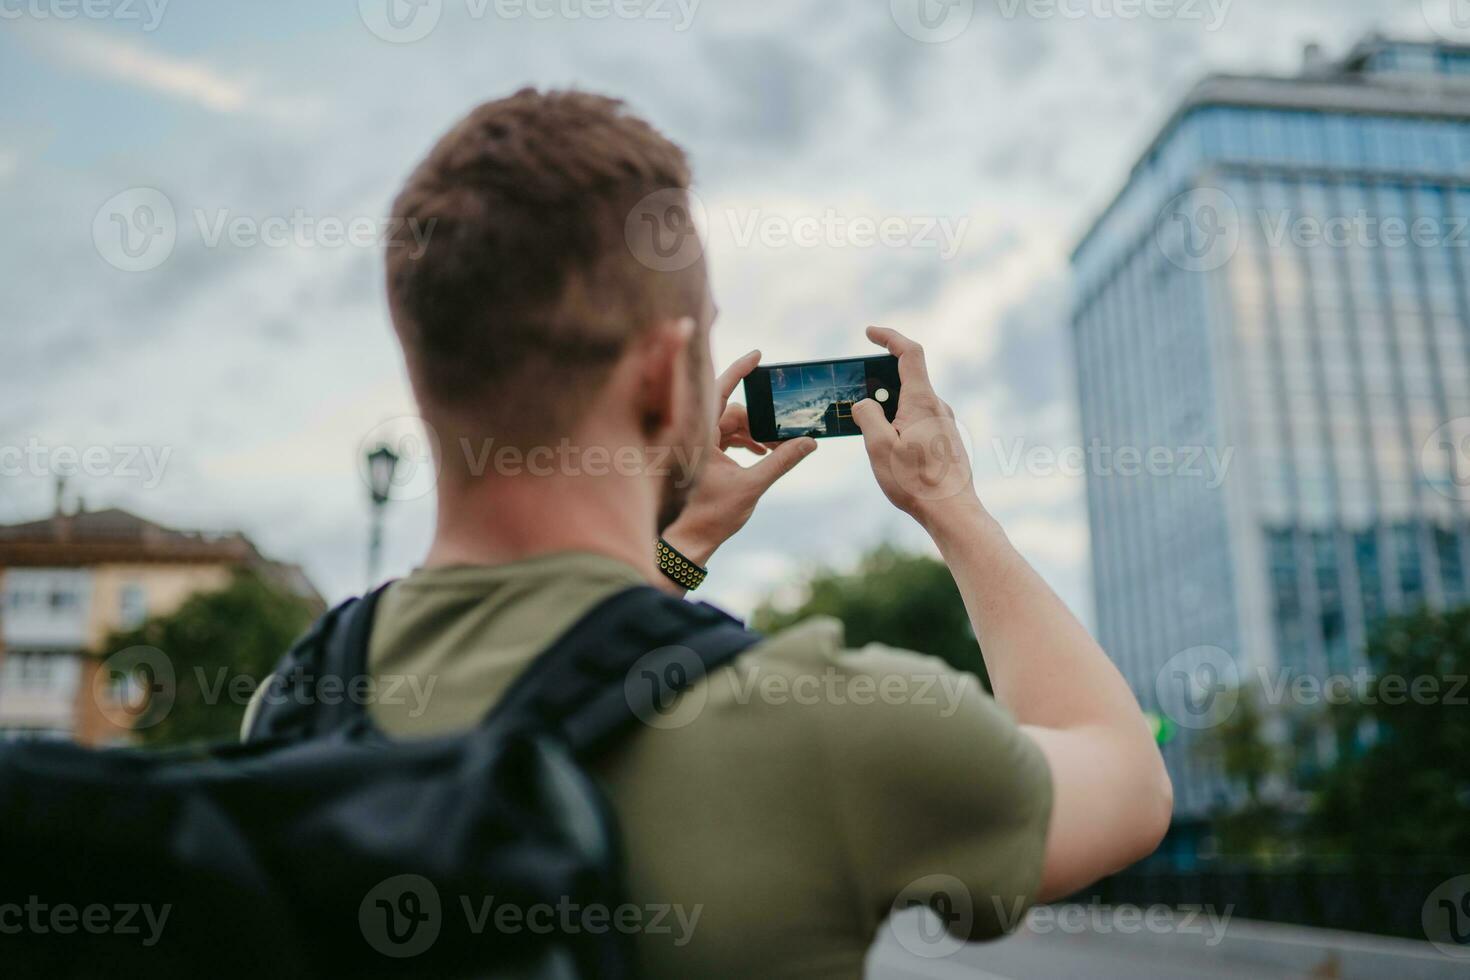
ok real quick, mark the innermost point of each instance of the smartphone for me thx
(815, 398)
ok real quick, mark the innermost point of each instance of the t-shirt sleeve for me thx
(941, 798)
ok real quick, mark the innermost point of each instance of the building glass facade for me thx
(1284, 282)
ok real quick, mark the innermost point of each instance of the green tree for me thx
(213, 641)
(1260, 826)
(1401, 787)
(892, 597)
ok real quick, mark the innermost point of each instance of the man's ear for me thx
(663, 373)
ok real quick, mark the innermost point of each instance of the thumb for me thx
(782, 460)
(876, 429)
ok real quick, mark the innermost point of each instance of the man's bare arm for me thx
(1112, 796)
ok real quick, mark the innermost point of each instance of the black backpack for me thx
(323, 848)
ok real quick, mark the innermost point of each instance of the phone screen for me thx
(815, 398)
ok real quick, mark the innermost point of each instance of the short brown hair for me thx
(527, 291)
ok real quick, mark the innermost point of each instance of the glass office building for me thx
(1272, 321)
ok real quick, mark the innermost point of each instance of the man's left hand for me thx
(727, 492)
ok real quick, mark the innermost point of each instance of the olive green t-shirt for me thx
(773, 818)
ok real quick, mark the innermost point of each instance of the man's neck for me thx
(509, 519)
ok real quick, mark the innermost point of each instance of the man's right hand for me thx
(919, 457)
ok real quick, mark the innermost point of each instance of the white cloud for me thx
(889, 128)
(128, 61)
(195, 81)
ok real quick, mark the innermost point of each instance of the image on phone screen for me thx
(815, 398)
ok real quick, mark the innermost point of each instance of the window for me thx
(132, 605)
(1286, 598)
(1212, 131)
(1342, 146)
(1370, 580)
(1451, 569)
(1411, 573)
(39, 595)
(36, 671)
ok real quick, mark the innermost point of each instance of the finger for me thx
(736, 373)
(877, 431)
(748, 444)
(913, 371)
(735, 430)
(781, 461)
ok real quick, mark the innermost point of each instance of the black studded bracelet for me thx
(683, 571)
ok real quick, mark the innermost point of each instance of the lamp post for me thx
(380, 465)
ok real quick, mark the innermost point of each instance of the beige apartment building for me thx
(70, 581)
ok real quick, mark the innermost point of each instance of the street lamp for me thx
(380, 465)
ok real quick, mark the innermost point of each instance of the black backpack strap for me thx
(622, 663)
(310, 692)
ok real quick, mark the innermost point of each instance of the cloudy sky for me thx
(231, 368)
